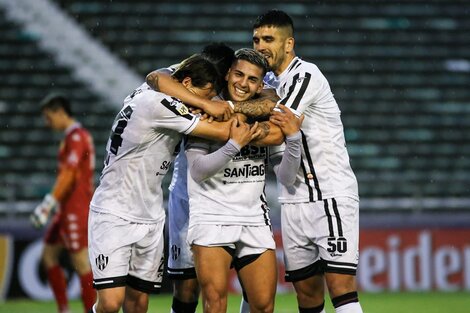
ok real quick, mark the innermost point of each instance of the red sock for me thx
(56, 278)
(88, 292)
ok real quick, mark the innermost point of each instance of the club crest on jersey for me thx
(101, 261)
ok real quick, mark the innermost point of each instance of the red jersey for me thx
(77, 151)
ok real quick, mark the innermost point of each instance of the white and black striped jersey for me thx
(235, 194)
(140, 151)
(325, 171)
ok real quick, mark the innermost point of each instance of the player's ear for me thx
(289, 44)
(260, 88)
(187, 82)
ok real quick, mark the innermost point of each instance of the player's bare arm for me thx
(259, 108)
(161, 80)
(64, 183)
(220, 131)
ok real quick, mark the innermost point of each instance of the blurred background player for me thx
(68, 203)
(320, 204)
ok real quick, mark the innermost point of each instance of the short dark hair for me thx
(252, 56)
(200, 70)
(55, 101)
(275, 18)
(220, 55)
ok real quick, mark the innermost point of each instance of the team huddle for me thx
(221, 119)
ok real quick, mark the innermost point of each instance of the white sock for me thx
(353, 307)
(93, 308)
(244, 306)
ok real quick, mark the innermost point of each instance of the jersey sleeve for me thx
(171, 113)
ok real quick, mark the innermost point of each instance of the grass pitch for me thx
(432, 302)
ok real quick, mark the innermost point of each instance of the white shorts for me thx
(242, 241)
(125, 253)
(180, 256)
(320, 237)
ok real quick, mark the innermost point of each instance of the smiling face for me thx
(276, 44)
(244, 80)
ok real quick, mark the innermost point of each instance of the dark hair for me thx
(252, 56)
(55, 101)
(275, 18)
(200, 70)
(220, 55)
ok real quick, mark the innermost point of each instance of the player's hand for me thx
(286, 120)
(242, 133)
(220, 110)
(43, 211)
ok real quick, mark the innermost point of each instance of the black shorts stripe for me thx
(338, 217)
(343, 264)
(144, 285)
(317, 268)
(181, 273)
(239, 263)
(311, 167)
(110, 282)
(331, 232)
(340, 270)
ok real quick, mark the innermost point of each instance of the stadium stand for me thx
(399, 70)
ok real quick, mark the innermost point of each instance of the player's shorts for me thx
(125, 253)
(320, 237)
(245, 243)
(180, 256)
(68, 229)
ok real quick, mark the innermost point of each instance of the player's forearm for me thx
(64, 184)
(163, 82)
(203, 166)
(255, 108)
(271, 135)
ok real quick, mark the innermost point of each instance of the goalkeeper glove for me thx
(43, 211)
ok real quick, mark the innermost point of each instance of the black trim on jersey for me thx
(312, 169)
(330, 219)
(239, 263)
(291, 90)
(317, 268)
(298, 64)
(110, 282)
(181, 273)
(172, 108)
(301, 92)
(338, 217)
(293, 65)
(144, 285)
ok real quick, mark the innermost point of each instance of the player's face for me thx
(244, 80)
(53, 119)
(274, 44)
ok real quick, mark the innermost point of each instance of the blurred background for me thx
(400, 72)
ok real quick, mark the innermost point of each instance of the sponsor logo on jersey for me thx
(101, 261)
(250, 153)
(247, 170)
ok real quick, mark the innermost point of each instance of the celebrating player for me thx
(68, 203)
(126, 212)
(319, 205)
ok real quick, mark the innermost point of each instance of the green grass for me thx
(432, 302)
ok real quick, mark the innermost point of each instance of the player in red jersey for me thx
(67, 203)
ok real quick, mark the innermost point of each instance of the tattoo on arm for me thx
(264, 126)
(152, 81)
(255, 108)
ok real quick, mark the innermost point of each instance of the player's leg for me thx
(301, 257)
(145, 268)
(109, 300)
(52, 249)
(340, 251)
(259, 279)
(180, 259)
(244, 305)
(82, 266)
(212, 268)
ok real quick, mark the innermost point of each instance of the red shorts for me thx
(68, 229)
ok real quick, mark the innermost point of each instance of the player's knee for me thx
(108, 305)
(340, 284)
(266, 306)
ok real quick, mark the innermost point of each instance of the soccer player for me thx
(126, 212)
(319, 205)
(229, 217)
(68, 203)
